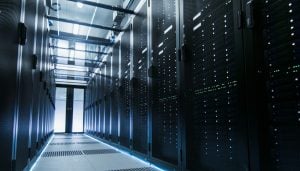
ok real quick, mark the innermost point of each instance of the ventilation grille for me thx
(70, 143)
(71, 138)
(62, 143)
(78, 152)
(87, 143)
(137, 169)
(62, 153)
(99, 151)
(140, 86)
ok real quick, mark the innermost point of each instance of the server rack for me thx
(115, 93)
(277, 29)
(216, 126)
(124, 91)
(23, 129)
(107, 97)
(102, 108)
(97, 105)
(221, 85)
(164, 95)
(139, 83)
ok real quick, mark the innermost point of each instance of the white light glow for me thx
(126, 153)
(75, 29)
(60, 110)
(77, 125)
(71, 68)
(72, 53)
(79, 4)
(70, 81)
(33, 166)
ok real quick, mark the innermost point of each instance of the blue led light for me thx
(33, 166)
(126, 153)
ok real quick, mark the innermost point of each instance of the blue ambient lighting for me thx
(33, 166)
(126, 153)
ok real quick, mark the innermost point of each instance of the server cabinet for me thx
(98, 78)
(9, 18)
(90, 111)
(23, 135)
(164, 95)
(124, 91)
(139, 83)
(115, 93)
(96, 119)
(278, 26)
(89, 119)
(92, 115)
(216, 120)
(102, 104)
(107, 96)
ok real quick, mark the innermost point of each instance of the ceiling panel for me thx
(70, 10)
(71, 65)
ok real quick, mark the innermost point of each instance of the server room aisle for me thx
(79, 152)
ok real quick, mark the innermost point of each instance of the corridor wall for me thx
(203, 85)
(27, 88)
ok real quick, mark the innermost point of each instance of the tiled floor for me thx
(79, 152)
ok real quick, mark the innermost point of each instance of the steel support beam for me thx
(65, 84)
(80, 38)
(84, 24)
(86, 65)
(86, 72)
(76, 59)
(61, 81)
(86, 51)
(105, 6)
(78, 66)
(72, 75)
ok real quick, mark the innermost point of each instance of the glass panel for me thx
(80, 54)
(63, 44)
(60, 110)
(78, 110)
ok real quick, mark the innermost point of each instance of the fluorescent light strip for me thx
(39, 157)
(57, 1)
(197, 26)
(93, 17)
(71, 68)
(70, 81)
(168, 29)
(126, 153)
(139, 6)
(196, 16)
(129, 20)
(66, 83)
(75, 29)
(145, 50)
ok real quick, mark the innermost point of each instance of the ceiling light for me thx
(75, 29)
(71, 68)
(79, 4)
(72, 53)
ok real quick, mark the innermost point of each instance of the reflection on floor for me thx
(79, 152)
